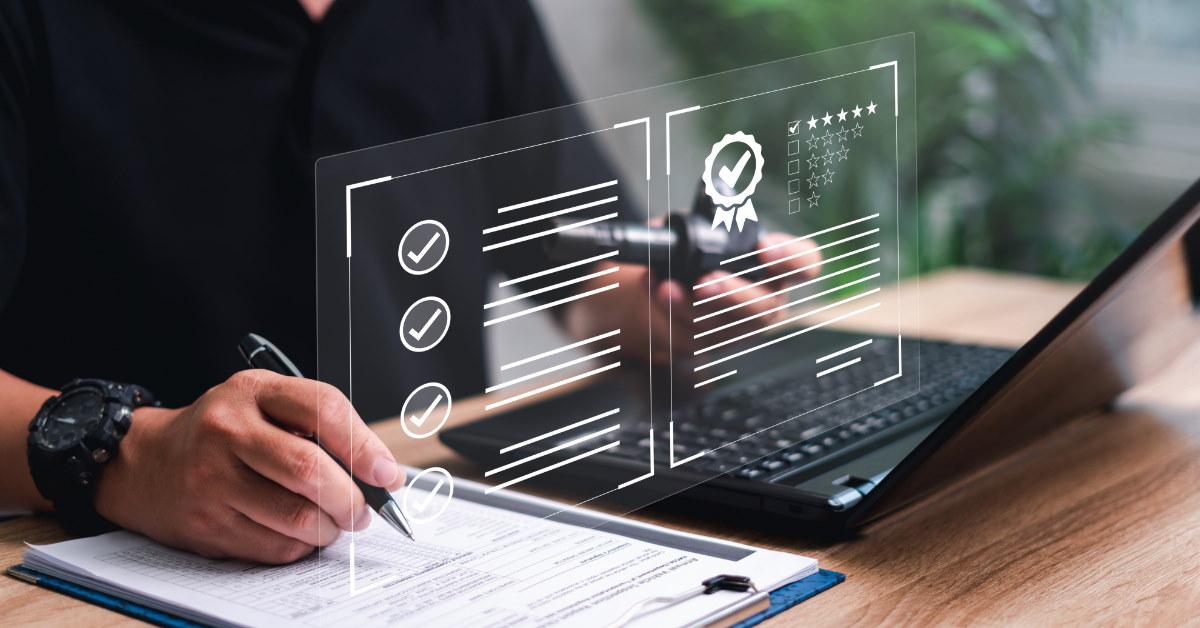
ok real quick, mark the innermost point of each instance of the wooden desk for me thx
(1098, 524)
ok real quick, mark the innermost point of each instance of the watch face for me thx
(70, 420)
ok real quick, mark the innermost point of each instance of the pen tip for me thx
(390, 513)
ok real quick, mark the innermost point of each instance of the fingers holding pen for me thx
(314, 407)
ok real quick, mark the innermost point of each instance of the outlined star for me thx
(813, 161)
(871, 107)
(813, 142)
(828, 176)
(812, 123)
(828, 137)
(827, 118)
(857, 130)
(842, 115)
(813, 198)
(842, 134)
(857, 111)
(814, 179)
(828, 157)
(842, 154)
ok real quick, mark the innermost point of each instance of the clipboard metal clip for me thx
(723, 582)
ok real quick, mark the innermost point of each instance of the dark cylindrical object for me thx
(635, 243)
(685, 248)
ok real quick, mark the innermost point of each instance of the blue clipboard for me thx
(782, 598)
(792, 594)
(91, 596)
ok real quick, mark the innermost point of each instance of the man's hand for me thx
(717, 306)
(228, 476)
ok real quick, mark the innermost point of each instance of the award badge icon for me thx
(733, 204)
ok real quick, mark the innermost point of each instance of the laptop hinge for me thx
(856, 489)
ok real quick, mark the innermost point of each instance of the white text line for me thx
(846, 350)
(602, 415)
(552, 467)
(839, 367)
(786, 337)
(555, 197)
(797, 239)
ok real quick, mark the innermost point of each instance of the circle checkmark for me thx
(423, 247)
(424, 324)
(425, 410)
(427, 495)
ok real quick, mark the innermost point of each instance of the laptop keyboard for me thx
(752, 432)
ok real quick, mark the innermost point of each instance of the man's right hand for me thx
(228, 476)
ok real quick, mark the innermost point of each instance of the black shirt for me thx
(146, 146)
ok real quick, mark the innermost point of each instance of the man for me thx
(147, 148)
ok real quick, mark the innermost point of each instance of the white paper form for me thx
(479, 564)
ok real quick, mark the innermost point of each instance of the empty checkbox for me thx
(794, 166)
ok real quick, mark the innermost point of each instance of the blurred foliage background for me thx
(1007, 113)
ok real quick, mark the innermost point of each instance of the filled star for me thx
(857, 111)
(813, 198)
(827, 118)
(871, 107)
(812, 123)
(842, 115)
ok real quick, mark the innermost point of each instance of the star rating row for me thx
(827, 119)
(842, 134)
(828, 157)
(823, 178)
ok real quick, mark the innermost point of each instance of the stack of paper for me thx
(489, 559)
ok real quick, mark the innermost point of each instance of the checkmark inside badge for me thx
(418, 334)
(417, 257)
(424, 503)
(420, 420)
(730, 177)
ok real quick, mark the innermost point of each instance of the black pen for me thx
(259, 353)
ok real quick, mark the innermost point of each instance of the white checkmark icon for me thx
(418, 424)
(793, 128)
(424, 503)
(417, 257)
(730, 177)
(420, 420)
(418, 334)
(423, 508)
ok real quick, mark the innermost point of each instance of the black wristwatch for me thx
(73, 435)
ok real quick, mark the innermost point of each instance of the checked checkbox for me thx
(427, 495)
(425, 410)
(424, 324)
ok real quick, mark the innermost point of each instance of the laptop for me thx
(855, 459)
